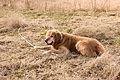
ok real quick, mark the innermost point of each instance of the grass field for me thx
(20, 61)
(62, 5)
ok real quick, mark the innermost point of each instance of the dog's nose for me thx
(46, 40)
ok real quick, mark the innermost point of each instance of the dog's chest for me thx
(72, 48)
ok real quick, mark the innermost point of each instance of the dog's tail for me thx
(100, 48)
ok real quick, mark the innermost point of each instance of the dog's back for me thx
(93, 47)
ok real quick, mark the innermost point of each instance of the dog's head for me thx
(53, 37)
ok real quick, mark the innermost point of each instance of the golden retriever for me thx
(64, 42)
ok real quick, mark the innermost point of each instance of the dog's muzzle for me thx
(48, 43)
(46, 40)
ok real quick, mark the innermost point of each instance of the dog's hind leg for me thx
(85, 49)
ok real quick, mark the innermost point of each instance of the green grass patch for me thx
(30, 14)
(118, 41)
(43, 32)
(68, 30)
(58, 16)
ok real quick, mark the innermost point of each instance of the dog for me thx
(64, 42)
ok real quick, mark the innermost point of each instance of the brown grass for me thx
(105, 64)
(12, 21)
(63, 5)
(19, 61)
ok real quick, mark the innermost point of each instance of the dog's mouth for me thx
(50, 43)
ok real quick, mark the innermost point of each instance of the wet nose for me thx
(46, 40)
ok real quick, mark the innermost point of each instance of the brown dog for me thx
(64, 42)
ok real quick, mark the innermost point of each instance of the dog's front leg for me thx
(61, 49)
(53, 51)
(42, 47)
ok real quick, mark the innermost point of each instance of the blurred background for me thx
(62, 5)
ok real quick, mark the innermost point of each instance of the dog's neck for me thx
(61, 37)
(56, 45)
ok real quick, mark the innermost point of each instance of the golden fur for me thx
(68, 42)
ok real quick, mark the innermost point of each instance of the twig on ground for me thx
(36, 47)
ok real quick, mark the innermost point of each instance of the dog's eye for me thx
(51, 36)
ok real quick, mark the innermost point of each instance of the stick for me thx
(36, 47)
(25, 39)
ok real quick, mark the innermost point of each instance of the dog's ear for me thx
(58, 37)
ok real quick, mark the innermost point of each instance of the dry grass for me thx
(106, 64)
(19, 61)
(63, 5)
(12, 21)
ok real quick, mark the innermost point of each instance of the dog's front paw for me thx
(36, 47)
(46, 52)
